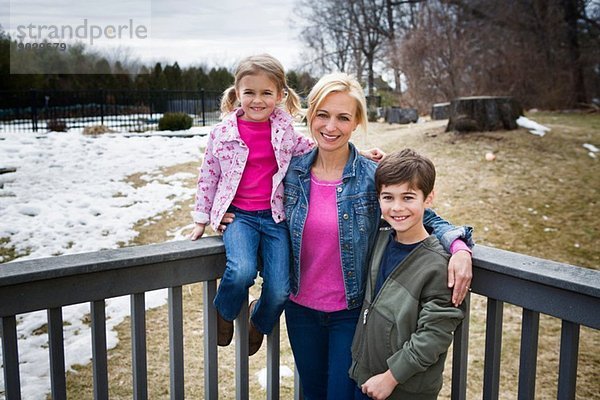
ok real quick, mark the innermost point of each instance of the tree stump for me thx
(440, 111)
(483, 113)
(397, 115)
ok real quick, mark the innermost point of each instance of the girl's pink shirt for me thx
(254, 190)
(322, 286)
(225, 159)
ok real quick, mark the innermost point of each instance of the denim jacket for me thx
(358, 219)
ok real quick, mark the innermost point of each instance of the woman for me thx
(333, 215)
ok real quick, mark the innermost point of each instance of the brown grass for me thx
(539, 197)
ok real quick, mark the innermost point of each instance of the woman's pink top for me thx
(254, 191)
(322, 283)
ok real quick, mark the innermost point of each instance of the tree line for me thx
(546, 53)
(56, 69)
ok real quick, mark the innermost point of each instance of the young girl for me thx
(246, 158)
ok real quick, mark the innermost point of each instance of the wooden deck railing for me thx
(538, 286)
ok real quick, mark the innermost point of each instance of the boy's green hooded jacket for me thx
(408, 327)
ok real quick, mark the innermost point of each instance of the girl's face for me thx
(334, 121)
(258, 95)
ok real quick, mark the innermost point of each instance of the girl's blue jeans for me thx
(321, 343)
(253, 235)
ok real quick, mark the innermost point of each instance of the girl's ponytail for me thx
(228, 101)
(292, 102)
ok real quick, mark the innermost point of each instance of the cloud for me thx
(189, 32)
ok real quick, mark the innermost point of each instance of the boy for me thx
(407, 319)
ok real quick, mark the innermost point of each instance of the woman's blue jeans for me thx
(254, 235)
(321, 343)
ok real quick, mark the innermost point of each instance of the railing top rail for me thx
(75, 264)
(538, 270)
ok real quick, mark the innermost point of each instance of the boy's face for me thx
(403, 208)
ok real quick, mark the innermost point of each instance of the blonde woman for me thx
(333, 216)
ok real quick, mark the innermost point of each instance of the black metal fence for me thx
(133, 110)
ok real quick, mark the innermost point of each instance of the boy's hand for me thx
(460, 273)
(380, 386)
(198, 231)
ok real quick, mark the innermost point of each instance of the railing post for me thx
(211, 371)
(273, 364)
(460, 355)
(298, 394)
(176, 342)
(99, 356)
(138, 346)
(57, 354)
(529, 345)
(10, 354)
(493, 347)
(241, 353)
(567, 368)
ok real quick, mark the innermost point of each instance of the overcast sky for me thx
(190, 32)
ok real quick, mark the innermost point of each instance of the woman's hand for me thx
(460, 273)
(226, 220)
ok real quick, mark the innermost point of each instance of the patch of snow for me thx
(69, 195)
(532, 126)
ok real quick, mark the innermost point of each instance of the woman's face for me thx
(334, 121)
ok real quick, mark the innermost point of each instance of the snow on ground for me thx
(532, 126)
(68, 195)
(592, 150)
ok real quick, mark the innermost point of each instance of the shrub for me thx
(174, 122)
(96, 130)
(56, 125)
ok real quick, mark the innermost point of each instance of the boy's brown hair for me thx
(406, 166)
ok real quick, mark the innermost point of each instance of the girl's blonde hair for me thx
(335, 83)
(272, 67)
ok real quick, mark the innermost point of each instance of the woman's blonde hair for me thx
(253, 65)
(335, 83)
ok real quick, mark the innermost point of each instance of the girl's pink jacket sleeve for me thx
(208, 178)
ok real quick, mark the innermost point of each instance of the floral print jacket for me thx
(225, 159)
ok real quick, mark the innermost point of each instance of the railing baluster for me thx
(567, 368)
(273, 364)
(99, 358)
(529, 348)
(57, 354)
(10, 354)
(460, 355)
(298, 394)
(211, 372)
(493, 347)
(176, 342)
(139, 363)
(241, 353)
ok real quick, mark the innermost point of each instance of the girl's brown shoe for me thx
(255, 337)
(224, 331)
